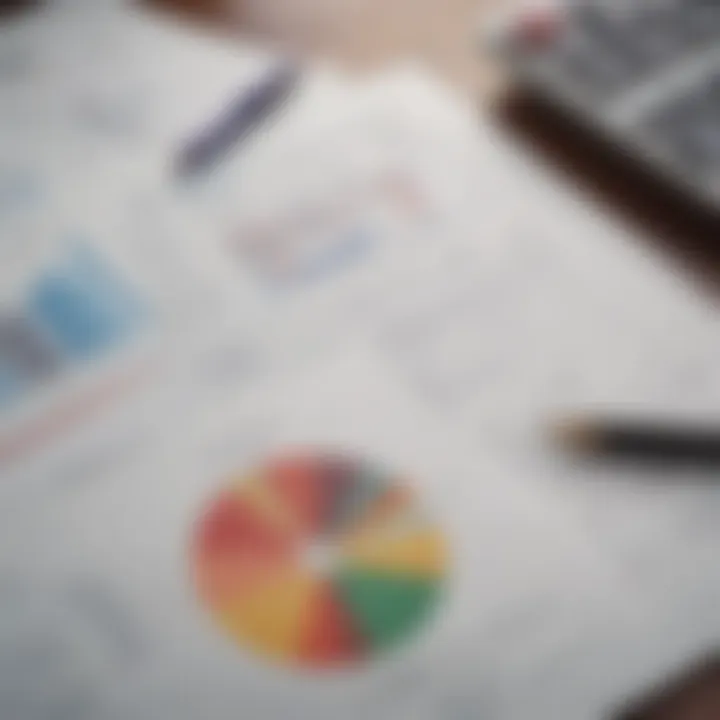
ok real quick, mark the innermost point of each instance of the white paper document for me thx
(271, 438)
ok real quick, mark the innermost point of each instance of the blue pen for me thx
(242, 117)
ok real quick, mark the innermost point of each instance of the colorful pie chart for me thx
(319, 560)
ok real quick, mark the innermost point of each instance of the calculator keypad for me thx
(688, 127)
(603, 48)
(646, 72)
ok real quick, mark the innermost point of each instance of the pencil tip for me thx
(576, 434)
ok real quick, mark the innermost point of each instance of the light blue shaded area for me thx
(84, 307)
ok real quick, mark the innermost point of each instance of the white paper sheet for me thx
(444, 299)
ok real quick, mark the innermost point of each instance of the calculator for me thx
(644, 73)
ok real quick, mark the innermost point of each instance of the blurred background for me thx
(530, 269)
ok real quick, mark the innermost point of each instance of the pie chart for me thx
(318, 560)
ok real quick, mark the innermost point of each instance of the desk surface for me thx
(361, 33)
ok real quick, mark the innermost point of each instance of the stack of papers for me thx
(341, 344)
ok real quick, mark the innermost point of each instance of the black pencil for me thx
(641, 441)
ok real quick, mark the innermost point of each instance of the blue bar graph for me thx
(73, 312)
(83, 306)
